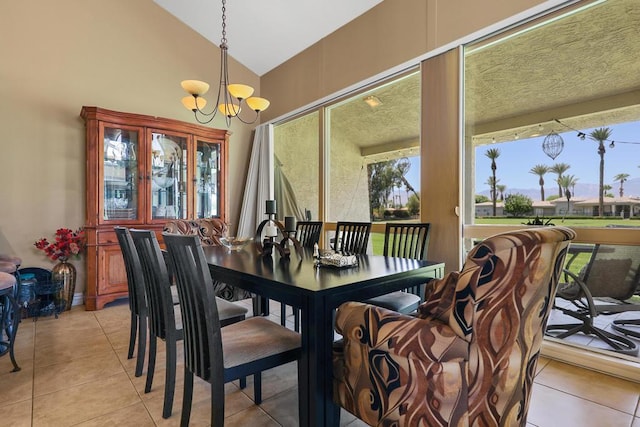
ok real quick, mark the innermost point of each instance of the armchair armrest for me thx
(399, 334)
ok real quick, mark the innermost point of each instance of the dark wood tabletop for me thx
(317, 291)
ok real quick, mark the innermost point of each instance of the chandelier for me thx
(231, 97)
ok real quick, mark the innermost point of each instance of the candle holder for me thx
(270, 226)
(288, 240)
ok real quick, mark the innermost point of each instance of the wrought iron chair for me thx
(9, 316)
(609, 280)
(469, 356)
(165, 321)
(219, 355)
(405, 240)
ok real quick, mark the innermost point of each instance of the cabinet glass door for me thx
(207, 180)
(168, 176)
(120, 174)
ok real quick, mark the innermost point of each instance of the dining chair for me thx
(352, 237)
(470, 355)
(165, 320)
(308, 234)
(220, 355)
(137, 302)
(404, 240)
(603, 287)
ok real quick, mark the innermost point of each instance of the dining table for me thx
(317, 290)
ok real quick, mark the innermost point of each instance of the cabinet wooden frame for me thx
(106, 278)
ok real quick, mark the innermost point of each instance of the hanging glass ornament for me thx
(553, 145)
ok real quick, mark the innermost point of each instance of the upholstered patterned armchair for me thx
(210, 230)
(470, 355)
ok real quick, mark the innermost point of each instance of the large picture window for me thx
(552, 121)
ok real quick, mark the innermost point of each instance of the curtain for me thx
(259, 184)
(285, 195)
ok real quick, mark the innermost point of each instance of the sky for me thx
(518, 157)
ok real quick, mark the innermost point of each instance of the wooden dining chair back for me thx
(162, 312)
(352, 237)
(165, 320)
(219, 355)
(308, 233)
(405, 240)
(137, 301)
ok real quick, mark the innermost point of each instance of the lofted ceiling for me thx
(263, 34)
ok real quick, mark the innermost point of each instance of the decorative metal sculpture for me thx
(553, 145)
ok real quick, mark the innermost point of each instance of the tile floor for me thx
(75, 373)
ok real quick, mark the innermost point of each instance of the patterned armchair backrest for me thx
(210, 230)
(499, 303)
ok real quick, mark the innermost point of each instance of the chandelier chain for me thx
(223, 41)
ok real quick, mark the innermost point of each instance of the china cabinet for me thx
(142, 171)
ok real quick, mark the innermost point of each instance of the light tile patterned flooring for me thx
(75, 373)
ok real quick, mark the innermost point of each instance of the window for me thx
(535, 97)
(371, 146)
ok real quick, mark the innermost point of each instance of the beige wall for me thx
(56, 56)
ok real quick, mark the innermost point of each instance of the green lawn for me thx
(570, 222)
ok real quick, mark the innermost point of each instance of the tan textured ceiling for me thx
(574, 66)
(571, 69)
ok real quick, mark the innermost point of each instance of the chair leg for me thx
(142, 344)
(296, 319)
(170, 377)
(257, 388)
(151, 366)
(187, 396)
(243, 382)
(617, 343)
(217, 404)
(132, 335)
(618, 326)
(11, 320)
(283, 314)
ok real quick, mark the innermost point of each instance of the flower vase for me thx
(64, 272)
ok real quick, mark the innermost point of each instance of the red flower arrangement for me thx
(67, 243)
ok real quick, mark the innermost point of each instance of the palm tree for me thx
(607, 189)
(500, 188)
(559, 169)
(493, 154)
(622, 177)
(600, 135)
(566, 182)
(492, 182)
(540, 170)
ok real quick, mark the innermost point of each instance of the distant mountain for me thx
(587, 190)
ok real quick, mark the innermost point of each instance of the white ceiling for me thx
(262, 34)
